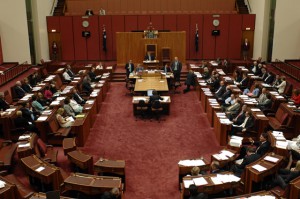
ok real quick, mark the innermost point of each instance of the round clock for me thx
(216, 22)
(85, 24)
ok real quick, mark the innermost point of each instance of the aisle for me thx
(151, 149)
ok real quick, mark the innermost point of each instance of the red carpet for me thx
(151, 149)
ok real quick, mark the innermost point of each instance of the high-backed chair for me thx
(7, 150)
(157, 109)
(45, 152)
(141, 109)
(57, 133)
(130, 86)
(166, 57)
(280, 121)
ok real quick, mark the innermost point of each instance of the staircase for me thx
(60, 8)
(242, 7)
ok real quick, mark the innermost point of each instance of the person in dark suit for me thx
(226, 95)
(251, 157)
(263, 146)
(215, 167)
(190, 81)
(221, 90)
(19, 90)
(263, 74)
(247, 124)
(77, 97)
(269, 79)
(86, 84)
(129, 68)
(69, 71)
(3, 104)
(266, 104)
(244, 82)
(245, 49)
(21, 122)
(239, 119)
(26, 86)
(27, 112)
(154, 97)
(205, 74)
(258, 71)
(176, 67)
(93, 76)
(35, 79)
(254, 67)
(194, 194)
(149, 57)
(166, 68)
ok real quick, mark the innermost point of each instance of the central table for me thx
(147, 83)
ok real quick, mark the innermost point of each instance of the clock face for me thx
(85, 24)
(216, 22)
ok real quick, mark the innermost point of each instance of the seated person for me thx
(27, 112)
(221, 90)
(239, 119)
(36, 105)
(254, 67)
(254, 93)
(244, 81)
(262, 146)
(149, 57)
(76, 107)
(21, 122)
(35, 79)
(190, 81)
(247, 124)
(53, 88)
(64, 122)
(100, 66)
(26, 86)
(93, 76)
(195, 171)
(215, 167)
(285, 176)
(48, 94)
(296, 97)
(205, 74)
(194, 194)
(77, 97)
(267, 104)
(233, 110)
(68, 108)
(69, 71)
(229, 101)
(113, 194)
(166, 68)
(154, 97)
(263, 96)
(86, 84)
(3, 104)
(263, 74)
(238, 169)
(227, 96)
(66, 76)
(42, 100)
(237, 76)
(258, 71)
(214, 82)
(276, 81)
(19, 90)
(139, 68)
(282, 85)
(269, 79)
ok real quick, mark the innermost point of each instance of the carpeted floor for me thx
(151, 149)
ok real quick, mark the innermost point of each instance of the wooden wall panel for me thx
(108, 55)
(117, 23)
(1, 53)
(157, 21)
(54, 37)
(67, 39)
(209, 41)
(53, 23)
(143, 22)
(80, 43)
(155, 8)
(114, 7)
(248, 22)
(235, 36)
(93, 48)
(131, 23)
(222, 40)
(183, 24)
(196, 19)
(132, 46)
(170, 22)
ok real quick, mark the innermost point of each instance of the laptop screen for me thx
(150, 92)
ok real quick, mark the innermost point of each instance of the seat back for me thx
(156, 105)
(141, 103)
(40, 148)
(288, 89)
(54, 125)
(8, 97)
(281, 116)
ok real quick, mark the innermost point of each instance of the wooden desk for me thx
(279, 151)
(293, 121)
(69, 144)
(295, 188)
(81, 128)
(91, 184)
(260, 193)
(43, 125)
(41, 195)
(211, 106)
(6, 121)
(8, 191)
(147, 83)
(186, 170)
(224, 162)
(91, 108)
(98, 96)
(210, 187)
(252, 175)
(28, 150)
(151, 64)
(221, 130)
(81, 160)
(261, 121)
(205, 94)
(165, 103)
(49, 175)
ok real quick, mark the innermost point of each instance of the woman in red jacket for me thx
(296, 96)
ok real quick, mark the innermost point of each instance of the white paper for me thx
(187, 183)
(259, 168)
(40, 169)
(200, 181)
(24, 137)
(271, 159)
(24, 145)
(2, 184)
(191, 162)
(216, 180)
(42, 118)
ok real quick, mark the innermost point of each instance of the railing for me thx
(13, 72)
(288, 69)
(248, 6)
(294, 62)
(54, 4)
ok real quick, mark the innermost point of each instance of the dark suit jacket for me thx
(220, 91)
(19, 92)
(206, 75)
(262, 148)
(147, 57)
(240, 119)
(166, 69)
(93, 76)
(244, 82)
(26, 88)
(238, 169)
(267, 104)
(70, 73)
(77, 99)
(225, 95)
(86, 87)
(154, 98)
(258, 72)
(190, 79)
(3, 104)
(21, 122)
(26, 113)
(250, 123)
(263, 76)
(269, 79)
(132, 68)
(179, 67)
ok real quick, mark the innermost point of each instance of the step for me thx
(118, 80)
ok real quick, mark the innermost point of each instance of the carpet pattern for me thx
(151, 149)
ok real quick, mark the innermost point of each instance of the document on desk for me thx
(42, 118)
(187, 183)
(24, 145)
(216, 180)
(281, 144)
(40, 169)
(24, 137)
(259, 168)
(2, 184)
(191, 162)
(271, 159)
(200, 181)
(227, 153)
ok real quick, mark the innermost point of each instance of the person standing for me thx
(176, 67)
(245, 49)
(129, 68)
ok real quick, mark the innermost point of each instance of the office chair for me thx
(156, 109)
(141, 109)
(130, 86)
(174, 85)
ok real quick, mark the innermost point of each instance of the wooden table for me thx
(6, 121)
(69, 144)
(165, 103)
(91, 108)
(81, 128)
(147, 83)
(81, 160)
(8, 191)
(186, 170)
(29, 150)
(211, 108)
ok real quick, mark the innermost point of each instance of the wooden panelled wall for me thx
(1, 54)
(67, 31)
(132, 45)
(122, 7)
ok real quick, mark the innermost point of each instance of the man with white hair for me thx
(19, 90)
(3, 104)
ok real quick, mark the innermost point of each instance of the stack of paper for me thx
(90, 102)
(235, 141)
(40, 169)
(2, 184)
(271, 159)
(191, 163)
(24, 137)
(24, 145)
(259, 168)
(187, 183)
(281, 144)
(42, 118)
(200, 181)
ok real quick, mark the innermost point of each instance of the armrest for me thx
(271, 114)
(3, 173)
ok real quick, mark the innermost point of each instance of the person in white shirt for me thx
(282, 85)
(66, 76)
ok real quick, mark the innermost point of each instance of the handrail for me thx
(54, 4)
(248, 6)
(288, 69)
(13, 72)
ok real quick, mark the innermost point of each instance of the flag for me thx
(196, 38)
(104, 39)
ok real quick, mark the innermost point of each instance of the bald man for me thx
(176, 67)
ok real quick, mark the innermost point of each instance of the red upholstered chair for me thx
(280, 121)
(45, 152)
